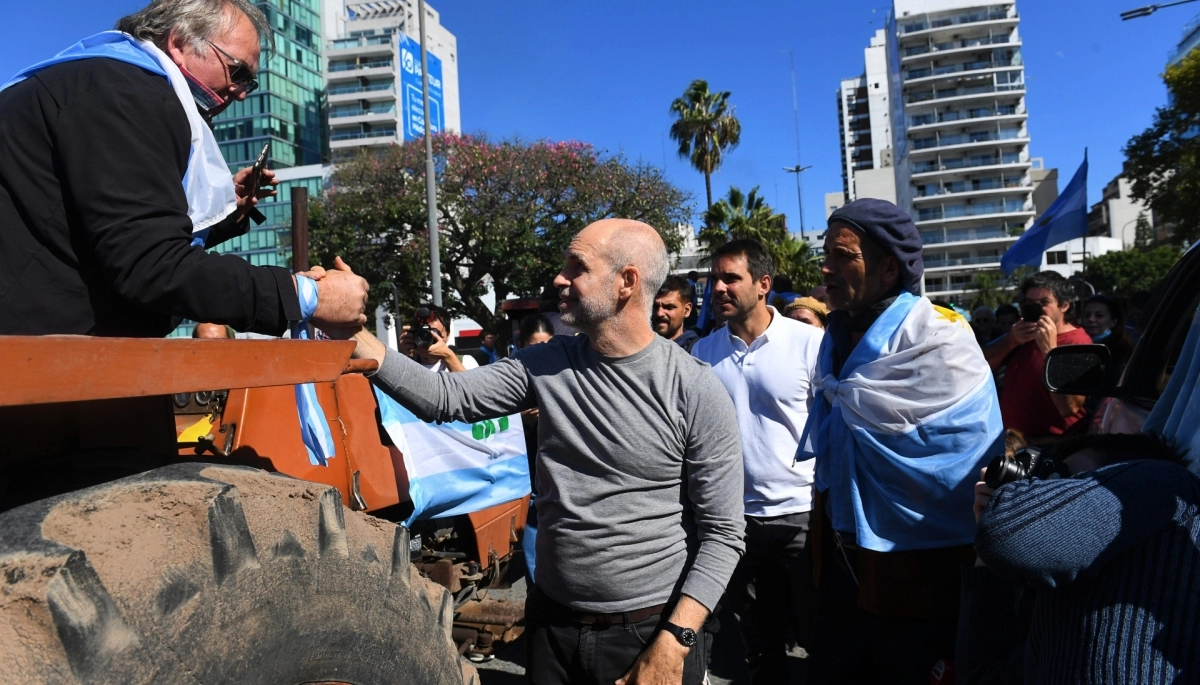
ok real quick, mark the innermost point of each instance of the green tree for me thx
(739, 215)
(989, 291)
(1163, 162)
(1143, 233)
(704, 128)
(747, 215)
(507, 211)
(1124, 273)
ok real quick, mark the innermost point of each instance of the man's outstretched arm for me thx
(495, 390)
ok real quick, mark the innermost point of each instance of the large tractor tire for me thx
(197, 573)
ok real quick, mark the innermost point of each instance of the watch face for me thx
(688, 637)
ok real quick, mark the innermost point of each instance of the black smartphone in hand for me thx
(256, 178)
(1031, 312)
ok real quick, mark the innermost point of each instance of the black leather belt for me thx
(592, 618)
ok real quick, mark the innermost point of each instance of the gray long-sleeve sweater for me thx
(639, 465)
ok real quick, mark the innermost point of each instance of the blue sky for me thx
(606, 72)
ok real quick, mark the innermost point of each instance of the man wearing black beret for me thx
(904, 415)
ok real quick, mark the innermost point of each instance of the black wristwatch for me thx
(686, 636)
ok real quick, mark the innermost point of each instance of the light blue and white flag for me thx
(1066, 219)
(207, 182)
(900, 435)
(457, 468)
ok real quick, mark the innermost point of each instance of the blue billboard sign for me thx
(411, 101)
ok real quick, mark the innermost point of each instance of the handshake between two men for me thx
(341, 305)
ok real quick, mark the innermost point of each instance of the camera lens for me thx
(1002, 470)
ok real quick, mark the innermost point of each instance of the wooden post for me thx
(299, 229)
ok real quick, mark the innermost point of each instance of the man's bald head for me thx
(626, 243)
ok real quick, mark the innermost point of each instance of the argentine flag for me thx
(901, 433)
(457, 468)
(1065, 220)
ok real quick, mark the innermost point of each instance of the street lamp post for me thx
(799, 195)
(1150, 9)
(435, 256)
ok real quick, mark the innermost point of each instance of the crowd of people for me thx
(816, 461)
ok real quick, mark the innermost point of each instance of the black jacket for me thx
(94, 233)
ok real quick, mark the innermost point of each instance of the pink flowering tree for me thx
(507, 211)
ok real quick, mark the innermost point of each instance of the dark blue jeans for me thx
(559, 651)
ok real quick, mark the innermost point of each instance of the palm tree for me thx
(989, 291)
(740, 215)
(705, 128)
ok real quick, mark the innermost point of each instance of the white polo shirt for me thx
(770, 382)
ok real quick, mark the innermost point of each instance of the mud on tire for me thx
(215, 574)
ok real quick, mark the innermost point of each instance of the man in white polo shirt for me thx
(766, 362)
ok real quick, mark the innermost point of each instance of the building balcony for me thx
(997, 213)
(363, 116)
(970, 190)
(930, 74)
(345, 139)
(358, 93)
(925, 27)
(982, 234)
(938, 262)
(959, 167)
(913, 53)
(362, 68)
(968, 146)
(963, 94)
(935, 120)
(360, 42)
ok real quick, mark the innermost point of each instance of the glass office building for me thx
(288, 110)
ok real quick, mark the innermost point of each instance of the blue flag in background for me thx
(1066, 219)
(707, 318)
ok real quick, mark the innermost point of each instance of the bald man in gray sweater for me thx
(639, 470)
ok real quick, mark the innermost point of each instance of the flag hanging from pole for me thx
(1065, 220)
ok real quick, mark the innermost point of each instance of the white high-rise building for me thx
(944, 86)
(373, 73)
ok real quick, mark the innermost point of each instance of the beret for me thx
(892, 229)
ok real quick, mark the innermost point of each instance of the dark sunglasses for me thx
(239, 73)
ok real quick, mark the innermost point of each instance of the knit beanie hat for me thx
(892, 229)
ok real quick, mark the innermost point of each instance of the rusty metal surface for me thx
(497, 529)
(70, 368)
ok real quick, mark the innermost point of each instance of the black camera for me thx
(423, 335)
(1028, 462)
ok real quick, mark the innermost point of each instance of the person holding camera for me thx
(1027, 406)
(426, 342)
(1088, 566)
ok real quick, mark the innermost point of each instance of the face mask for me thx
(1102, 336)
(208, 102)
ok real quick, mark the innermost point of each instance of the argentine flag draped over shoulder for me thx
(900, 435)
(457, 468)
(207, 183)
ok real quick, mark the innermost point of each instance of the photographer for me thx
(1089, 577)
(426, 342)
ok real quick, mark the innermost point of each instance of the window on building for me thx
(1057, 257)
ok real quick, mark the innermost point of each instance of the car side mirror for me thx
(1077, 369)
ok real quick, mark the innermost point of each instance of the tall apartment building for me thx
(373, 75)
(949, 137)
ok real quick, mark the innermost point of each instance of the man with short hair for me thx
(983, 322)
(1026, 404)
(1006, 317)
(487, 345)
(904, 416)
(639, 474)
(672, 307)
(114, 185)
(766, 362)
